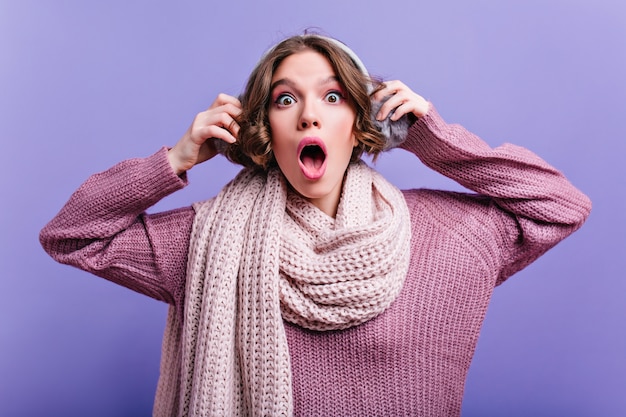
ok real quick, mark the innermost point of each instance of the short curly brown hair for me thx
(253, 147)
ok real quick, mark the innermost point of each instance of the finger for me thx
(224, 99)
(222, 116)
(389, 106)
(227, 122)
(233, 109)
(202, 131)
(389, 88)
(229, 109)
(233, 128)
(213, 131)
(404, 108)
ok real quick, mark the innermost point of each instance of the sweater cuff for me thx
(161, 164)
(423, 128)
(159, 180)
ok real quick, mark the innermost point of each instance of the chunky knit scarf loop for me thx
(261, 254)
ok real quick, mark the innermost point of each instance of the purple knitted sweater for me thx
(412, 360)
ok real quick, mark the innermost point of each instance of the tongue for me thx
(312, 157)
(312, 161)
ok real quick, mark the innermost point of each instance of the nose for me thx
(309, 116)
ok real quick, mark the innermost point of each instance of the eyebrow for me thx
(291, 84)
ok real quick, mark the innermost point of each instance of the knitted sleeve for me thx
(103, 228)
(536, 204)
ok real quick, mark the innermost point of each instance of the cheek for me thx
(272, 123)
(353, 137)
(350, 126)
(279, 125)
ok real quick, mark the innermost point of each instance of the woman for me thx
(310, 285)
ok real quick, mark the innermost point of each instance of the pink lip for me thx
(311, 171)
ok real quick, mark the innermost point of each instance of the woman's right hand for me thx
(218, 121)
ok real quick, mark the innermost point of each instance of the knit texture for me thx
(413, 358)
(257, 249)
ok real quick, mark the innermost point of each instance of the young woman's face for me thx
(311, 127)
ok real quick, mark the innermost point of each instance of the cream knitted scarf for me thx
(259, 253)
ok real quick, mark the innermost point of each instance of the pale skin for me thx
(311, 103)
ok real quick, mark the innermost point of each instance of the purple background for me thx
(86, 84)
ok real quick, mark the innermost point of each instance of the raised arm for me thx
(539, 206)
(104, 228)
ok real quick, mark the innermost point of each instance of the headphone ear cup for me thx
(220, 145)
(395, 132)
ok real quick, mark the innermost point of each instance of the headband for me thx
(353, 56)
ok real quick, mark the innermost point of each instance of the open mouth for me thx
(312, 157)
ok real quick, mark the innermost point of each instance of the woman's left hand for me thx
(402, 99)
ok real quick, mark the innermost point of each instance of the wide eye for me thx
(334, 97)
(284, 100)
